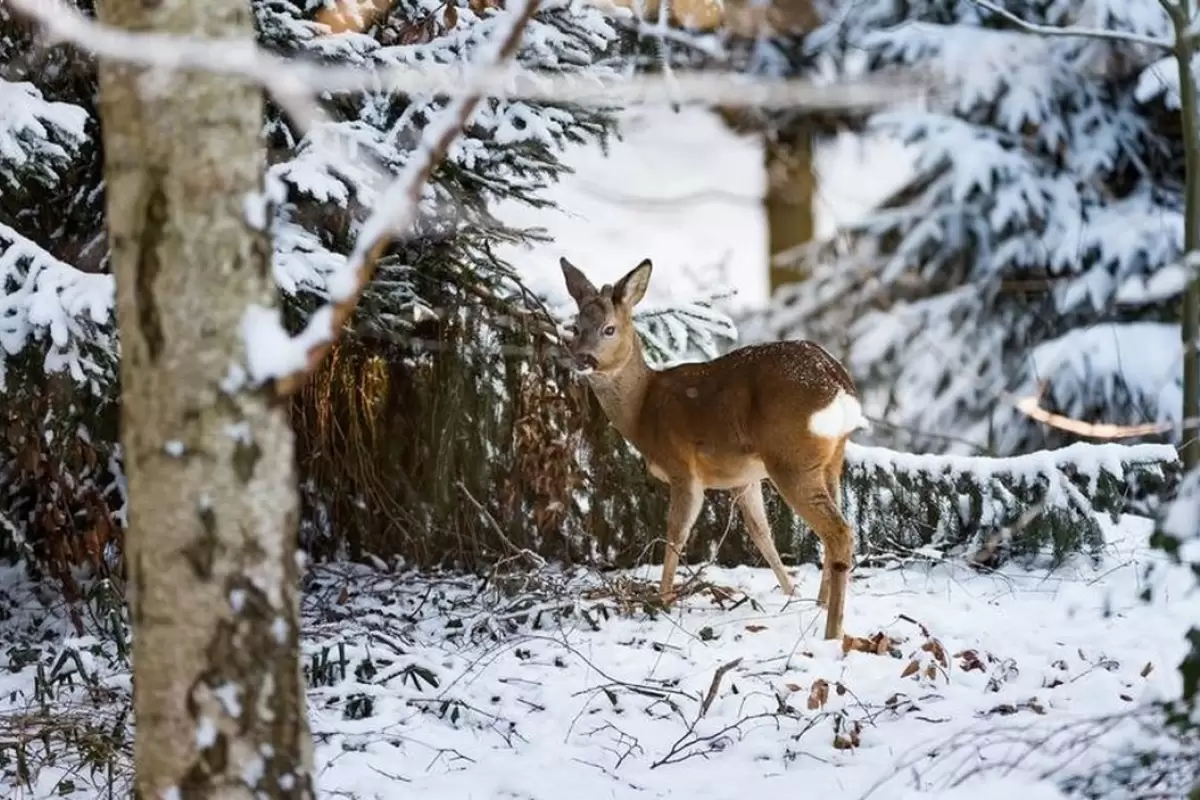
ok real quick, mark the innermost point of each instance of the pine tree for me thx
(57, 343)
(1035, 241)
(52, 252)
(442, 287)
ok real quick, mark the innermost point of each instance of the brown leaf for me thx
(934, 647)
(970, 661)
(343, 595)
(876, 645)
(450, 16)
(931, 671)
(756, 628)
(913, 667)
(791, 687)
(850, 739)
(818, 695)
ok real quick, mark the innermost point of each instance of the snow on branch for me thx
(290, 82)
(51, 300)
(1076, 31)
(33, 129)
(393, 215)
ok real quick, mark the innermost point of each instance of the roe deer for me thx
(782, 411)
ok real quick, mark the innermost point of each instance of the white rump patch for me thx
(842, 416)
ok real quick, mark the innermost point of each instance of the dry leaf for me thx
(911, 669)
(450, 16)
(791, 687)
(931, 671)
(756, 628)
(876, 645)
(970, 661)
(850, 739)
(343, 595)
(934, 647)
(818, 695)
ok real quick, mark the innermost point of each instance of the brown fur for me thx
(725, 424)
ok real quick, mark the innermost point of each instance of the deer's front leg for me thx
(687, 498)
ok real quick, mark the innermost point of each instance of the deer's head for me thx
(605, 338)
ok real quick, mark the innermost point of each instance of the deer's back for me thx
(721, 418)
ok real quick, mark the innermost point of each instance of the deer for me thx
(780, 411)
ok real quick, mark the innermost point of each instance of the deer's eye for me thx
(610, 330)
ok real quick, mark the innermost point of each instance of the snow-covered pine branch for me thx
(394, 213)
(51, 304)
(37, 136)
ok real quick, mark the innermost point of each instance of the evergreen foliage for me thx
(1037, 239)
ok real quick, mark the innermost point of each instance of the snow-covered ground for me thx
(686, 192)
(478, 696)
(537, 689)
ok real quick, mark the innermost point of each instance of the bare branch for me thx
(1087, 33)
(1093, 430)
(288, 80)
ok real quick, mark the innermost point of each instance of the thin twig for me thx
(715, 686)
(1076, 31)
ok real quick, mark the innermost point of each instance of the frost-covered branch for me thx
(290, 81)
(393, 215)
(1076, 31)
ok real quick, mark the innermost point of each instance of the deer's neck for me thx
(622, 392)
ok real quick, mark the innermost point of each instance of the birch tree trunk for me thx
(211, 544)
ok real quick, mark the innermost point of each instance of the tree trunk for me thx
(1190, 327)
(211, 544)
(790, 200)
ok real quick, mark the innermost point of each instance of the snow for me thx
(475, 692)
(561, 705)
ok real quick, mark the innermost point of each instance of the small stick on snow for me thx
(716, 685)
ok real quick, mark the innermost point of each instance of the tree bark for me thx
(213, 506)
(789, 200)
(1181, 16)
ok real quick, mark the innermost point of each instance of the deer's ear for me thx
(630, 290)
(578, 286)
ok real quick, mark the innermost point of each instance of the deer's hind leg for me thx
(805, 487)
(750, 501)
(833, 480)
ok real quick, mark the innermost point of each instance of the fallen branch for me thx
(1095, 430)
